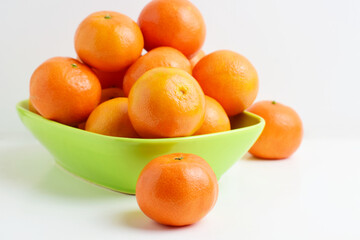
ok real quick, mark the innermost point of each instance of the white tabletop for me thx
(313, 195)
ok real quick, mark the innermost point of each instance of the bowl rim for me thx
(22, 107)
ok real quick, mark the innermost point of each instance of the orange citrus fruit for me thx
(173, 23)
(283, 130)
(166, 102)
(215, 120)
(32, 108)
(111, 118)
(108, 41)
(158, 57)
(229, 78)
(177, 189)
(65, 90)
(196, 58)
(110, 93)
(81, 125)
(110, 79)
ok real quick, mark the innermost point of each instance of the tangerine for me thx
(65, 90)
(110, 93)
(215, 120)
(173, 23)
(283, 130)
(111, 118)
(177, 189)
(157, 57)
(196, 58)
(229, 78)
(166, 102)
(108, 41)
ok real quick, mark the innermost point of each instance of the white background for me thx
(307, 54)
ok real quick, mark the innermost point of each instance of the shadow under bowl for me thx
(116, 162)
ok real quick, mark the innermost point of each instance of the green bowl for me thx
(116, 162)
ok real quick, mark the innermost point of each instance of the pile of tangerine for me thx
(173, 90)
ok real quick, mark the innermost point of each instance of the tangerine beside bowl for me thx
(116, 162)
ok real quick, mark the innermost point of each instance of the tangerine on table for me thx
(65, 90)
(108, 41)
(177, 189)
(166, 102)
(215, 120)
(157, 57)
(229, 78)
(173, 23)
(111, 118)
(283, 130)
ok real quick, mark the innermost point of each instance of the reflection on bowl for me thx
(116, 162)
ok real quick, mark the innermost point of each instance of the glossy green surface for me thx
(115, 162)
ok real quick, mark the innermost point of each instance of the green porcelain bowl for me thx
(116, 162)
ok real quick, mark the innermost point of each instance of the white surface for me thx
(313, 195)
(306, 52)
